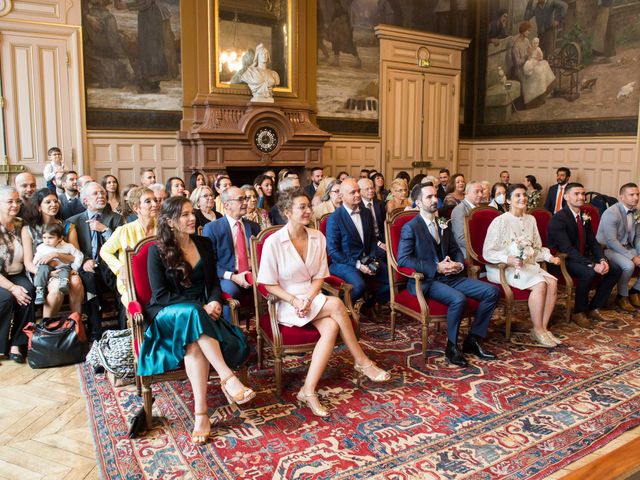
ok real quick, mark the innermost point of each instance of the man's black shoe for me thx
(472, 345)
(16, 357)
(454, 355)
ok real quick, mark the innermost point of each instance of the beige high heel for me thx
(315, 405)
(553, 338)
(201, 437)
(378, 376)
(243, 396)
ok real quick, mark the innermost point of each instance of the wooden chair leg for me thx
(393, 323)
(508, 311)
(278, 370)
(425, 337)
(259, 349)
(147, 401)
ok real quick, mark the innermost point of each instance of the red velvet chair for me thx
(424, 310)
(543, 216)
(594, 213)
(476, 225)
(139, 291)
(281, 339)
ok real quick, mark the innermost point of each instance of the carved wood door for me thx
(37, 98)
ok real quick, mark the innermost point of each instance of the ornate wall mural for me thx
(561, 60)
(132, 63)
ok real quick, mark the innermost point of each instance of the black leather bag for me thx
(55, 342)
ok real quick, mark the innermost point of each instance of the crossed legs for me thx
(332, 319)
(199, 356)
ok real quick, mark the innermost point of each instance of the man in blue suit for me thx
(429, 249)
(230, 236)
(555, 198)
(351, 240)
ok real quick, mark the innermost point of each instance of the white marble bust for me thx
(260, 78)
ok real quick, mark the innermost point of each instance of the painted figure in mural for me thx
(341, 34)
(498, 27)
(157, 58)
(549, 16)
(260, 78)
(321, 33)
(534, 73)
(106, 62)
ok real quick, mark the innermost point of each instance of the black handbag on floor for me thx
(56, 341)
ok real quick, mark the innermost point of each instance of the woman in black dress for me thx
(185, 309)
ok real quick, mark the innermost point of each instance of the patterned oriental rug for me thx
(525, 415)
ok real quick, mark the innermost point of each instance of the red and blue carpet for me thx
(525, 415)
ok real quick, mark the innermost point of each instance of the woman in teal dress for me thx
(185, 312)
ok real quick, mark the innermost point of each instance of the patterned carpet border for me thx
(524, 416)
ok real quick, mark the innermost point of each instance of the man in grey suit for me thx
(472, 198)
(94, 226)
(619, 231)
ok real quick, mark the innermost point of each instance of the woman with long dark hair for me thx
(197, 180)
(186, 308)
(112, 187)
(534, 191)
(44, 209)
(175, 187)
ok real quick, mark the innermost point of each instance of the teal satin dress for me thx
(176, 326)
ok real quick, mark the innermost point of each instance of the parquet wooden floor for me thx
(44, 431)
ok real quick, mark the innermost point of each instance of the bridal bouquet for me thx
(521, 248)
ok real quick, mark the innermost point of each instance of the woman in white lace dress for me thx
(513, 239)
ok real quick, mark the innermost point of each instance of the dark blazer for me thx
(550, 201)
(310, 190)
(563, 236)
(441, 192)
(69, 209)
(381, 214)
(219, 232)
(418, 250)
(343, 240)
(165, 284)
(201, 220)
(108, 218)
(275, 217)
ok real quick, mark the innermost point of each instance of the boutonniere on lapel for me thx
(443, 223)
(636, 216)
(585, 217)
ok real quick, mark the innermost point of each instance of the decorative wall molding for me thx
(123, 154)
(5, 7)
(42, 11)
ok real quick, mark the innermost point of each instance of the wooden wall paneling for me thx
(351, 154)
(601, 164)
(123, 154)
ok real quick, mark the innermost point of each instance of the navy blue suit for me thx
(550, 201)
(219, 232)
(69, 208)
(419, 251)
(381, 214)
(563, 236)
(346, 248)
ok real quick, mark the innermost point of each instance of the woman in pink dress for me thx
(293, 267)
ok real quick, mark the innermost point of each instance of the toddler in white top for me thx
(52, 244)
(55, 165)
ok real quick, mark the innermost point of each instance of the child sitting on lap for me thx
(52, 244)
